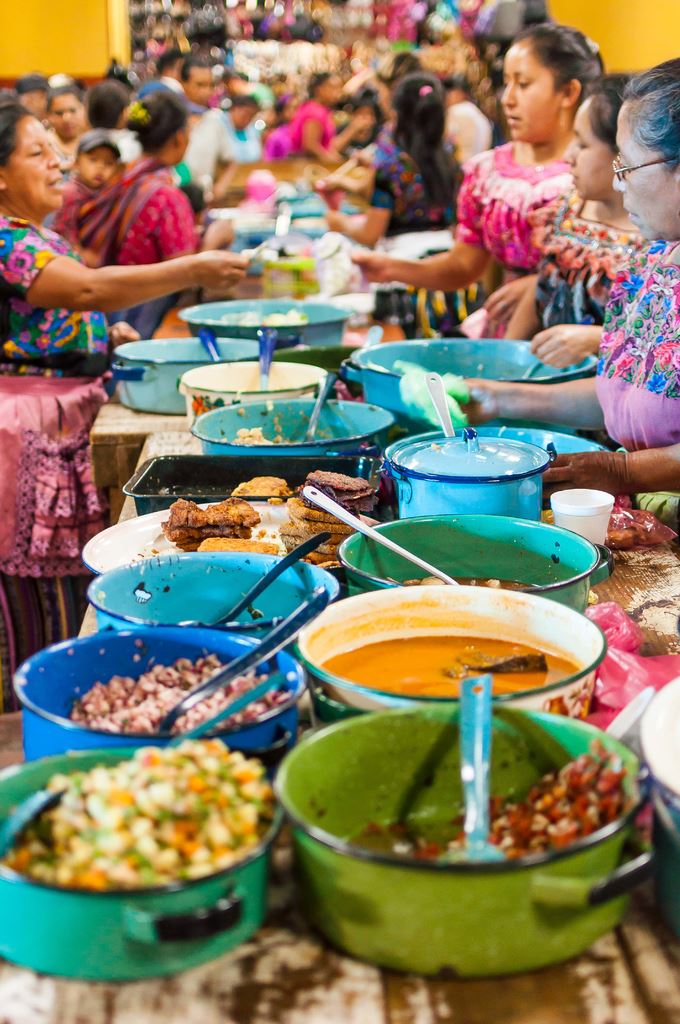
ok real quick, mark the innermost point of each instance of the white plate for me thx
(143, 537)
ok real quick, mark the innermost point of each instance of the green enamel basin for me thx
(469, 919)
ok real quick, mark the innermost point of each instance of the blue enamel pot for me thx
(48, 683)
(324, 325)
(434, 475)
(149, 372)
(344, 428)
(216, 580)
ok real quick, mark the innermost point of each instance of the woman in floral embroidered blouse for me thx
(546, 70)
(53, 353)
(585, 240)
(636, 394)
(415, 176)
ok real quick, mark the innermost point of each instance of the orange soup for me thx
(433, 666)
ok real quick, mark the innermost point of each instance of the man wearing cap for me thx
(32, 92)
(97, 161)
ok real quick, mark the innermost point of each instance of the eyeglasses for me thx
(620, 173)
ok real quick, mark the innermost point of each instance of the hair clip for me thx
(425, 90)
(139, 114)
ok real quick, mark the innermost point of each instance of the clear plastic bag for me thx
(633, 528)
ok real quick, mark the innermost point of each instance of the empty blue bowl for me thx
(48, 683)
(344, 427)
(201, 586)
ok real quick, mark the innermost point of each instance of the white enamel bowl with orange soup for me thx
(391, 648)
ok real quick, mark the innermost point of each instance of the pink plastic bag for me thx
(624, 672)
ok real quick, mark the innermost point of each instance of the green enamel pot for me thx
(466, 918)
(552, 562)
(123, 935)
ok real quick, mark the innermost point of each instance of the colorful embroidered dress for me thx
(580, 261)
(638, 382)
(495, 201)
(32, 332)
(399, 188)
(50, 506)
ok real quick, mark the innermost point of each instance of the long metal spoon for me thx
(321, 399)
(435, 386)
(301, 551)
(322, 500)
(270, 645)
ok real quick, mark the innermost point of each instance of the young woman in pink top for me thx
(546, 70)
(312, 130)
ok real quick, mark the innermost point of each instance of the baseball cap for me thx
(96, 138)
(31, 83)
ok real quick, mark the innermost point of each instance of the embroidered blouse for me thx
(580, 260)
(31, 331)
(496, 198)
(638, 382)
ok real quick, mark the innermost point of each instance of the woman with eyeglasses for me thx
(586, 239)
(636, 394)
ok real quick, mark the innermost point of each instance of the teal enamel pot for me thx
(465, 918)
(549, 561)
(123, 935)
(344, 428)
(435, 475)
(149, 372)
(489, 358)
(323, 325)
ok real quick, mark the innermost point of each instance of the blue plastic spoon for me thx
(206, 336)
(475, 758)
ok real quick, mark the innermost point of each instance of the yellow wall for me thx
(632, 34)
(78, 37)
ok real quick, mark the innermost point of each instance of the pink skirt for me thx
(50, 506)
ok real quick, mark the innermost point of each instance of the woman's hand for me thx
(502, 303)
(219, 234)
(376, 266)
(566, 344)
(121, 332)
(484, 402)
(602, 471)
(218, 270)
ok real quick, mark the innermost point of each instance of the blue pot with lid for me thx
(436, 475)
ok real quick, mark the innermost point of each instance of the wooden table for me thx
(287, 975)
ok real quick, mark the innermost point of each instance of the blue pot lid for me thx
(470, 458)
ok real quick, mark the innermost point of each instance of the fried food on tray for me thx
(313, 521)
(257, 547)
(353, 493)
(188, 524)
(262, 487)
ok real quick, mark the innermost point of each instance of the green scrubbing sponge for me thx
(416, 396)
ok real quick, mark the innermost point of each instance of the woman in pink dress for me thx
(636, 394)
(546, 71)
(312, 129)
